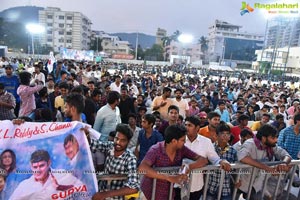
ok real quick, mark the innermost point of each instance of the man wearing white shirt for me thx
(116, 86)
(181, 103)
(132, 88)
(203, 147)
(38, 75)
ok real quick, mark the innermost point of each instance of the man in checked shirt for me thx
(119, 160)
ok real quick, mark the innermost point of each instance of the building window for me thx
(50, 16)
(49, 40)
(60, 32)
(69, 25)
(69, 17)
(49, 24)
(61, 17)
(69, 41)
(49, 32)
(61, 25)
(61, 40)
(69, 33)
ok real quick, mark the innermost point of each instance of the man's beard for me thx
(270, 144)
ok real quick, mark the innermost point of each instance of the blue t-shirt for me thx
(83, 118)
(146, 143)
(11, 85)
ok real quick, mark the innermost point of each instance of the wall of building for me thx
(191, 50)
(65, 29)
(222, 31)
(292, 55)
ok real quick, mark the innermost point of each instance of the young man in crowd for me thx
(147, 137)
(7, 104)
(106, 121)
(162, 103)
(264, 120)
(173, 115)
(226, 152)
(119, 160)
(255, 152)
(167, 154)
(181, 103)
(209, 131)
(196, 142)
(236, 130)
(135, 131)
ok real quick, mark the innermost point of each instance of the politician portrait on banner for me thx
(46, 161)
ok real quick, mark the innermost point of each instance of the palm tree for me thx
(166, 41)
(204, 47)
(204, 43)
(175, 35)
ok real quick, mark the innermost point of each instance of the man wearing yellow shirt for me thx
(264, 120)
(59, 102)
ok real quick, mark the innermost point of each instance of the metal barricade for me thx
(238, 167)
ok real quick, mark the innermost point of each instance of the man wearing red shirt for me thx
(236, 130)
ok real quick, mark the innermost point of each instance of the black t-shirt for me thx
(90, 110)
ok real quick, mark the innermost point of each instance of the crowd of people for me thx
(148, 120)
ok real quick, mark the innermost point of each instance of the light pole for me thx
(185, 39)
(136, 44)
(34, 29)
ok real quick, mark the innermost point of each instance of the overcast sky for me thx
(188, 16)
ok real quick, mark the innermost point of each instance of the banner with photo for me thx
(77, 54)
(48, 160)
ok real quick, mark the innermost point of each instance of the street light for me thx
(34, 29)
(185, 39)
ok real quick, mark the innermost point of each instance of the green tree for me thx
(264, 67)
(94, 45)
(175, 36)
(140, 53)
(155, 53)
(166, 41)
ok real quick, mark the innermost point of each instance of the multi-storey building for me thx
(227, 43)
(160, 33)
(183, 53)
(65, 29)
(111, 45)
(282, 45)
(282, 32)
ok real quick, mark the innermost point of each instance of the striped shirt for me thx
(214, 181)
(7, 113)
(123, 164)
